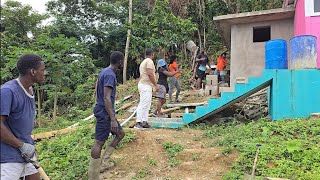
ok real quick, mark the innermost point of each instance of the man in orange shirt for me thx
(174, 80)
(222, 63)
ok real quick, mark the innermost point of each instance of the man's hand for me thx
(114, 125)
(156, 88)
(27, 151)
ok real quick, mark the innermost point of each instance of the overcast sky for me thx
(38, 5)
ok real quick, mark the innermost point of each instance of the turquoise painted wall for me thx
(293, 93)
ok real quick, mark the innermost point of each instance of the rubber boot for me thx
(106, 162)
(94, 167)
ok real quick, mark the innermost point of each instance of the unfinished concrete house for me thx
(245, 35)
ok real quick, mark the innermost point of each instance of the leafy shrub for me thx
(67, 156)
(290, 149)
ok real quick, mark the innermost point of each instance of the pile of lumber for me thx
(253, 107)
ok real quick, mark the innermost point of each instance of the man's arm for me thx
(199, 59)
(170, 74)
(152, 78)
(108, 105)
(7, 136)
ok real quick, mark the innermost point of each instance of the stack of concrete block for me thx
(212, 87)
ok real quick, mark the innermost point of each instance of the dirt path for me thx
(145, 158)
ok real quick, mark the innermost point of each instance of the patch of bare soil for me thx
(145, 158)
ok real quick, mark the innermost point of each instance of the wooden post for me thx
(125, 63)
(55, 102)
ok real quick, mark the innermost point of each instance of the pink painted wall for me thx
(309, 25)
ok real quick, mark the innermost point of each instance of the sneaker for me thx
(178, 100)
(146, 125)
(138, 125)
(154, 114)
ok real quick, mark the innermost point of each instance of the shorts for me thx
(162, 92)
(13, 171)
(201, 74)
(103, 124)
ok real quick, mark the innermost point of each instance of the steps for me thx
(229, 97)
(241, 91)
(292, 94)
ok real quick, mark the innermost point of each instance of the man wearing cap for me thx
(163, 85)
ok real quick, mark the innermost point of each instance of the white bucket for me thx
(191, 46)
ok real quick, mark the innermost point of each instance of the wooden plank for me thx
(53, 133)
(186, 104)
(126, 106)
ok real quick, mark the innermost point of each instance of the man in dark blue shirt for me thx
(17, 119)
(106, 118)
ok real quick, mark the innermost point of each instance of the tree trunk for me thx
(55, 104)
(199, 36)
(39, 107)
(204, 38)
(124, 75)
(204, 24)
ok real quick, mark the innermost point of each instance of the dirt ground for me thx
(199, 158)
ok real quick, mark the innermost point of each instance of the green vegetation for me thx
(195, 156)
(77, 43)
(67, 156)
(290, 149)
(172, 150)
(142, 173)
(152, 162)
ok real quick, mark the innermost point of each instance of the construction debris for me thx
(253, 107)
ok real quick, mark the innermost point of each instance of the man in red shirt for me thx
(221, 65)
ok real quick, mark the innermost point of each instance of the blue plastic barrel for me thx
(303, 52)
(276, 54)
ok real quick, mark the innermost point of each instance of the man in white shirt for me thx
(146, 83)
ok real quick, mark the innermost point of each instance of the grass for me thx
(67, 156)
(152, 162)
(172, 150)
(290, 149)
(142, 173)
(62, 121)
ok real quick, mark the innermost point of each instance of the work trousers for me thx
(217, 72)
(174, 83)
(143, 109)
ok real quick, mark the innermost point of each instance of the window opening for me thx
(261, 34)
